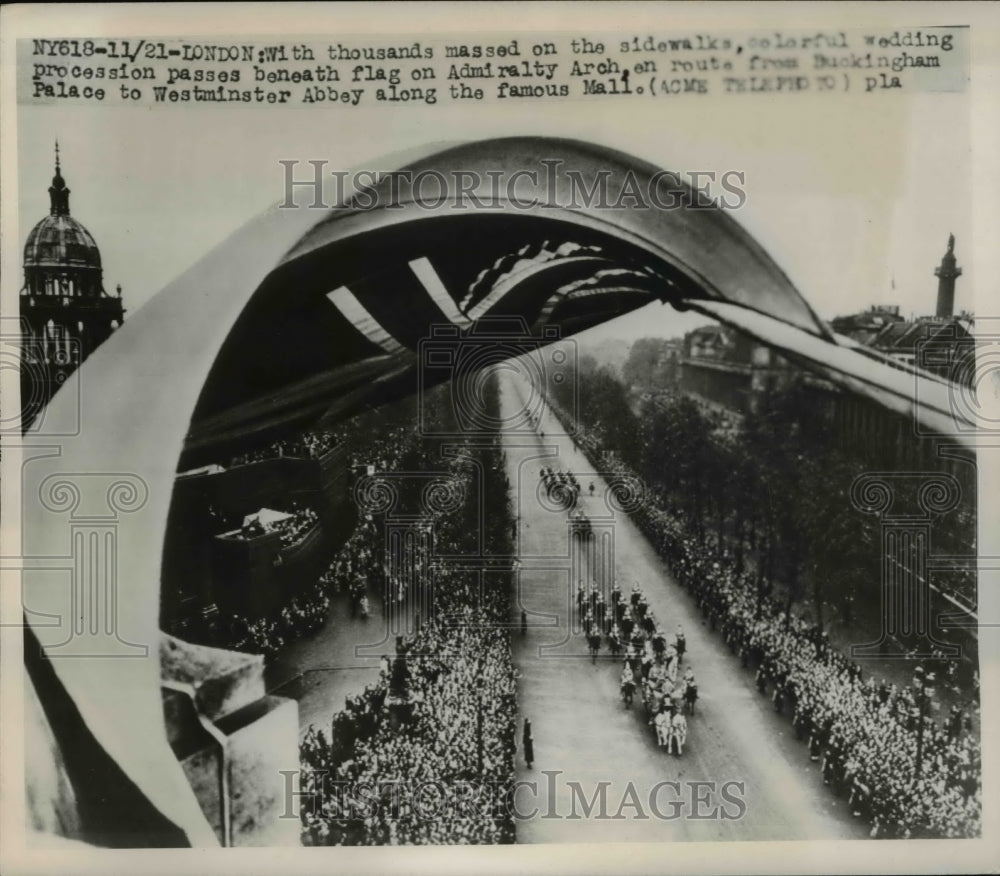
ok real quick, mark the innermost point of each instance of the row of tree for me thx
(770, 489)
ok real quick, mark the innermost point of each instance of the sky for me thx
(854, 198)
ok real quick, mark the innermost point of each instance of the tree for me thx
(646, 366)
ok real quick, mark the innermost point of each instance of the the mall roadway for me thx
(580, 726)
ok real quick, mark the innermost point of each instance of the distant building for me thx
(724, 366)
(947, 272)
(864, 327)
(941, 344)
(65, 312)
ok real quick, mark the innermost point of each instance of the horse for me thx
(663, 724)
(678, 734)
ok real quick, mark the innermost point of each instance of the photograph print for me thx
(509, 436)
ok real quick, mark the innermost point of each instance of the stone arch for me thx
(294, 308)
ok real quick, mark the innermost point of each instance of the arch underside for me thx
(344, 322)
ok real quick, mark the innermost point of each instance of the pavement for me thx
(743, 775)
(323, 669)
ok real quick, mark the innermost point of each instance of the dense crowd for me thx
(880, 746)
(357, 566)
(866, 734)
(451, 722)
(351, 569)
(443, 712)
(290, 529)
(305, 614)
(308, 445)
(294, 528)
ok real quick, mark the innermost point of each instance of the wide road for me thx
(581, 729)
(336, 662)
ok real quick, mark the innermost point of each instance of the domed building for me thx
(65, 312)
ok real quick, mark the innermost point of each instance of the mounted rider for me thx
(659, 642)
(680, 642)
(615, 640)
(627, 685)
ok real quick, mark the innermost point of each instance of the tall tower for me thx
(65, 312)
(947, 272)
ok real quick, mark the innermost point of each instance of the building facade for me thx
(65, 312)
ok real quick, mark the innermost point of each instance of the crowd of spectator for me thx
(881, 746)
(293, 529)
(449, 725)
(304, 614)
(308, 445)
(357, 567)
(356, 564)
(443, 712)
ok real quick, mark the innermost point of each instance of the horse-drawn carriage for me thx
(652, 665)
(678, 734)
(669, 720)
